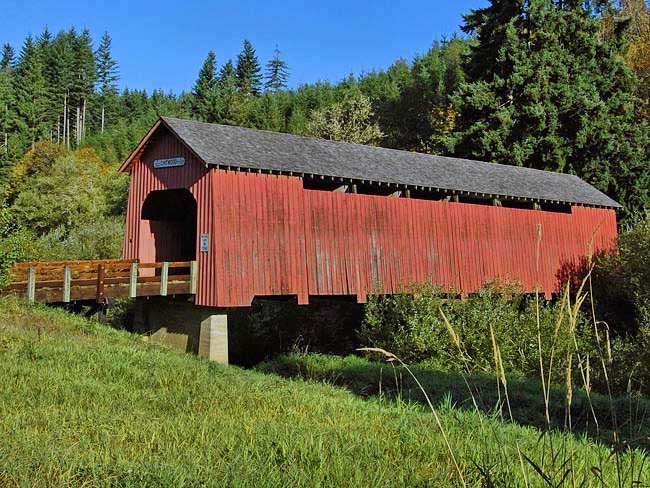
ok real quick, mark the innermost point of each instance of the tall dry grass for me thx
(561, 471)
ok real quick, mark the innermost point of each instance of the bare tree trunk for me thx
(102, 117)
(77, 133)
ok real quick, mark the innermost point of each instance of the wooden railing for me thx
(99, 280)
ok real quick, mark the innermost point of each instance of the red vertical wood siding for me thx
(270, 236)
(139, 242)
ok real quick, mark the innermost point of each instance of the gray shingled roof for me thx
(255, 149)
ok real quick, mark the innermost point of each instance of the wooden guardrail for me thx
(99, 280)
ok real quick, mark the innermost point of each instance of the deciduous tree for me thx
(350, 120)
(638, 12)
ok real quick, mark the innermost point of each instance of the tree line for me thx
(53, 87)
(560, 85)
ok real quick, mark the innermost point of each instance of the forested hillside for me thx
(553, 85)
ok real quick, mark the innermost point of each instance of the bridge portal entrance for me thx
(172, 219)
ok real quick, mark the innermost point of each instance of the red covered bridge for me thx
(268, 214)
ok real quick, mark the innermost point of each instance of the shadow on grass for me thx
(626, 415)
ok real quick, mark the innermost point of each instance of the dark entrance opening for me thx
(172, 216)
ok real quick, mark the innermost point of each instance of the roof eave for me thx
(124, 167)
(229, 167)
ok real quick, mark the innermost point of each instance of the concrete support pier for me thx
(213, 339)
(181, 325)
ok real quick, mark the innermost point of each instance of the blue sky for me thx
(161, 44)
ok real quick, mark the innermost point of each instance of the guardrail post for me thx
(31, 285)
(67, 278)
(101, 272)
(133, 285)
(193, 277)
(164, 275)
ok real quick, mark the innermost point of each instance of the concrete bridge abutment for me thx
(184, 326)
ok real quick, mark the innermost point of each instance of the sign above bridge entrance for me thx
(168, 163)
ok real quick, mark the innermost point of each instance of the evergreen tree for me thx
(248, 72)
(85, 77)
(277, 73)
(60, 67)
(205, 91)
(546, 91)
(46, 50)
(8, 57)
(31, 92)
(107, 76)
(227, 77)
(44, 40)
(271, 111)
(231, 103)
(6, 108)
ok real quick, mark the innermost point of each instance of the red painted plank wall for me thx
(272, 237)
(139, 242)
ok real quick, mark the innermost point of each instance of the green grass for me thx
(631, 417)
(85, 405)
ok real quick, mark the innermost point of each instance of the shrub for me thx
(622, 281)
(37, 161)
(92, 239)
(16, 243)
(621, 290)
(412, 326)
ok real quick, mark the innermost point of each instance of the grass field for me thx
(628, 416)
(85, 405)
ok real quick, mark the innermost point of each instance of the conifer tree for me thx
(277, 73)
(64, 62)
(31, 92)
(107, 76)
(8, 57)
(7, 98)
(248, 72)
(6, 103)
(85, 77)
(44, 40)
(546, 91)
(228, 77)
(205, 90)
(231, 102)
(46, 50)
